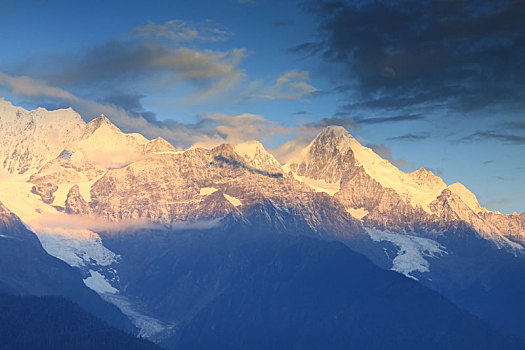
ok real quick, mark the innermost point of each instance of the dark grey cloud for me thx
(461, 55)
(409, 137)
(510, 139)
(394, 119)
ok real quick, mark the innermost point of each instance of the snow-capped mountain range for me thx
(95, 169)
(69, 181)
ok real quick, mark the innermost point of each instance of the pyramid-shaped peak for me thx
(97, 123)
(333, 139)
(159, 145)
(101, 119)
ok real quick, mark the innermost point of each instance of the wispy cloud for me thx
(292, 148)
(394, 119)
(514, 125)
(244, 127)
(291, 85)
(409, 137)
(509, 139)
(180, 31)
(23, 85)
(308, 49)
(71, 224)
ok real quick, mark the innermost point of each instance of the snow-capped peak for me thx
(256, 156)
(420, 187)
(31, 138)
(326, 158)
(335, 131)
(100, 122)
(466, 196)
(334, 152)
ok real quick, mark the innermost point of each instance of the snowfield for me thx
(412, 251)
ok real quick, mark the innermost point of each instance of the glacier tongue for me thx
(78, 248)
(98, 283)
(412, 251)
(150, 327)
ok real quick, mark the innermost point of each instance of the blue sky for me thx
(434, 84)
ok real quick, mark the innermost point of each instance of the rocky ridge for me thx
(96, 169)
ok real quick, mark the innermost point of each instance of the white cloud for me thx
(292, 85)
(23, 85)
(246, 127)
(291, 148)
(221, 128)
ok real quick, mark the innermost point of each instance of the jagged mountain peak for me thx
(11, 114)
(31, 138)
(256, 156)
(9, 222)
(100, 122)
(326, 158)
(335, 153)
(466, 196)
(334, 131)
(333, 139)
(426, 177)
(225, 150)
(159, 145)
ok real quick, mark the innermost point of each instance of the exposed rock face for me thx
(75, 203)
(335, 189)
(385, 198)
(329, 157)
(9, 221)
(512, 226)
(202, 184)
(45, 191)
(122, 176)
